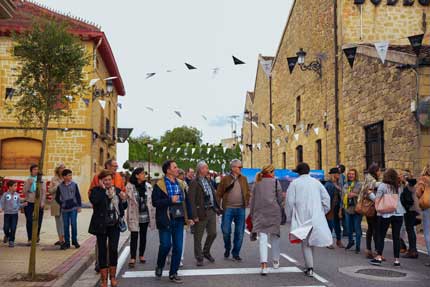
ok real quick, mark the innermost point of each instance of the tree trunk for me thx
(37, 206)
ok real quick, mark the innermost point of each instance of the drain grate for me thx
(381, 273)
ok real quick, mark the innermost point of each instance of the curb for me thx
(87, 277)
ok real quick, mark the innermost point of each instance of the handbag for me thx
(387, 203)
(424, 200)
(365, 207)
(177, 211)
(122, 225)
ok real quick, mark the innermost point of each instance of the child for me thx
(69, 199)
(11, 204)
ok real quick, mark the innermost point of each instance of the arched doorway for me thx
(19, 153)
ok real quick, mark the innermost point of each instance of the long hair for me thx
(57, 169)
(267, 169)
(135, 173)
(426, 171)
(391, 177)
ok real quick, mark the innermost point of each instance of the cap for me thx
(334, 170)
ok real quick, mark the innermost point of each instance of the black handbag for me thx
(177, 211)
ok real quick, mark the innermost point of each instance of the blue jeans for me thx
(9, 226)
(70, 218)
(171, 237)
(353, 222)
(236, 215)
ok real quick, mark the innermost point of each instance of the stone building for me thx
(86, 140)
(324, 118)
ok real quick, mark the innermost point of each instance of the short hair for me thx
(11, 183)
(200, 165)
(302, 168)
(234, 162)
(166, 165)
(134, 174)
(33, 166)
(181, 172)
(109, 162)
(189, 169)
(373, 169)
(66, 172)
(342, 168)
(105, 173)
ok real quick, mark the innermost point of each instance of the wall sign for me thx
(394, 2)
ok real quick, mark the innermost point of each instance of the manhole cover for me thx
(382, 273)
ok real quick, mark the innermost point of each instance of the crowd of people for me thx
(319, 213)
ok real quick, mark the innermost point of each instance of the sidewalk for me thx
(49, 258)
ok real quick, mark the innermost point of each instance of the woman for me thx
(369, 186)
(140, 213)
(109, 204)
(55, 207)
(390, 185)
(350, 193)
(423, 186)
(265, 211)
(411, 205)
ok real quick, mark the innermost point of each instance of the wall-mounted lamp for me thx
(97, 93)
(312, 66)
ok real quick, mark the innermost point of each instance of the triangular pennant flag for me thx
(272, 126)
(296, 137)
(164, 149)
(149, 108)
(287, 128)
(350, 55)
(317, 131)
(193, 150)
(281, 127)
(237, 61)
(254, 124)
(9, 93)
(190, 67)
(93, 82)
(278, 141)
(150, 75)
(102, 103)
(266, 65)
(209, 150)
(178, 113)
(119, 105)
(382, 49)
(416, 43)
(224, 149)
(241, 147)
(86, 101)
(214, 155)
(69, 98)
(178, 149)
(253, 145)
(264, 125)
(292, 61)
(204, 117)
(294, 128)
(259, 146)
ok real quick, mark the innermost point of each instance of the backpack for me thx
(407, 199)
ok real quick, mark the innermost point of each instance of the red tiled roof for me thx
(25, 14)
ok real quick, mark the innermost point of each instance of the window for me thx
(375, 144)
(318, 154)
(107, 128)
(299, 154)
(19, 153)
(298, 109)
(101, 157)
(284, 160)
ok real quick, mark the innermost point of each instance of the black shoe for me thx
(209, 257)
(199, 262)
(350, 244)
(226, 254)
(38, 240)
(396, 264)
(375, 262)
(158, 272)
(76, 244)
(65, 246)
(237, 258)
(357, 251)
(5, 239)
(58, 243)
(175, 279)
(309, 272)
(96, 268)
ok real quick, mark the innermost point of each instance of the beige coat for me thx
(52, 190)
(31, 196)
(133, 208)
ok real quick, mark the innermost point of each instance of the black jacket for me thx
(99, 200)
(162, 202)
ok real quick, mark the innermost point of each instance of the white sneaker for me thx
(264, 271)
(181, 264)
(275, 264)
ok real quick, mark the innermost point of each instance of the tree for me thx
(182, 135)
(49, 79)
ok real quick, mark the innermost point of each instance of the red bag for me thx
(248, 223)
(293, 239)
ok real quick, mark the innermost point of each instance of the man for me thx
(333, 216)
(172, 211)
(204, 209)
(233, 194)
(307, 203)
(189, 176)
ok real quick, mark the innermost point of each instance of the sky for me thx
(157, 36)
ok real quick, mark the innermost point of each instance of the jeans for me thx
(426, 227)
(236, 215)
(208, 224)
(383, 225)
(410, 218)
(276, 249)
(372, 232)
(353, 222)
(143, 228)
(108, 249)
(171, 237)
(9, 226)
(335, 224)
(28, 210)
(70, 218)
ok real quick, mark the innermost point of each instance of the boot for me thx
(103, 277)
(112, 276)
(340, 244)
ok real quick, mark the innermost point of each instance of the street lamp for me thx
(312, 66)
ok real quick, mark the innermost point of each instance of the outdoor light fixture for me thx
(102, 92)
(312, 66)
(109, 86)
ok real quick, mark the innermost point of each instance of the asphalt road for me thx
(332, 267)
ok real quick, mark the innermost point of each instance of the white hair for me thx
(235, 162)
(199, 166)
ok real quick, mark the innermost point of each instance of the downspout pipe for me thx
(336, 81)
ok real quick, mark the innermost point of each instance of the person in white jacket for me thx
(307, 203)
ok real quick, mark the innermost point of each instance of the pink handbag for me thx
(387, 203)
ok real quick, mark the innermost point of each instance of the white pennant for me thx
(259, 146)
(253, 145)
(287, 128)
(164, 149)
(241, 147)
(178, 149)
(296, 137)
(209, 150)
(278, 141)
(382, 49)
(224, 149)
(102, 103)
(272, 126)
(267, 66)
(317, 131)
(193, 150)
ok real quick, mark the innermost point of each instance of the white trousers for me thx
(308, 254)
(264, 244)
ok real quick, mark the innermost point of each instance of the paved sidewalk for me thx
(50, 259)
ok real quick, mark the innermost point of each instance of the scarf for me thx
(34, 184)
(268, 175)
(348, 191)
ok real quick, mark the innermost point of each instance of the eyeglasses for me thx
(238, 167)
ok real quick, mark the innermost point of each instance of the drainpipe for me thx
(336, 82)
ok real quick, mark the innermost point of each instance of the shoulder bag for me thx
(387, 203)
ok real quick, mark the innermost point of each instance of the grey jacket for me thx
(10, 203)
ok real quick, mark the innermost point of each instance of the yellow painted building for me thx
(82, 142)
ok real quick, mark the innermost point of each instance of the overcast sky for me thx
(156, 36)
